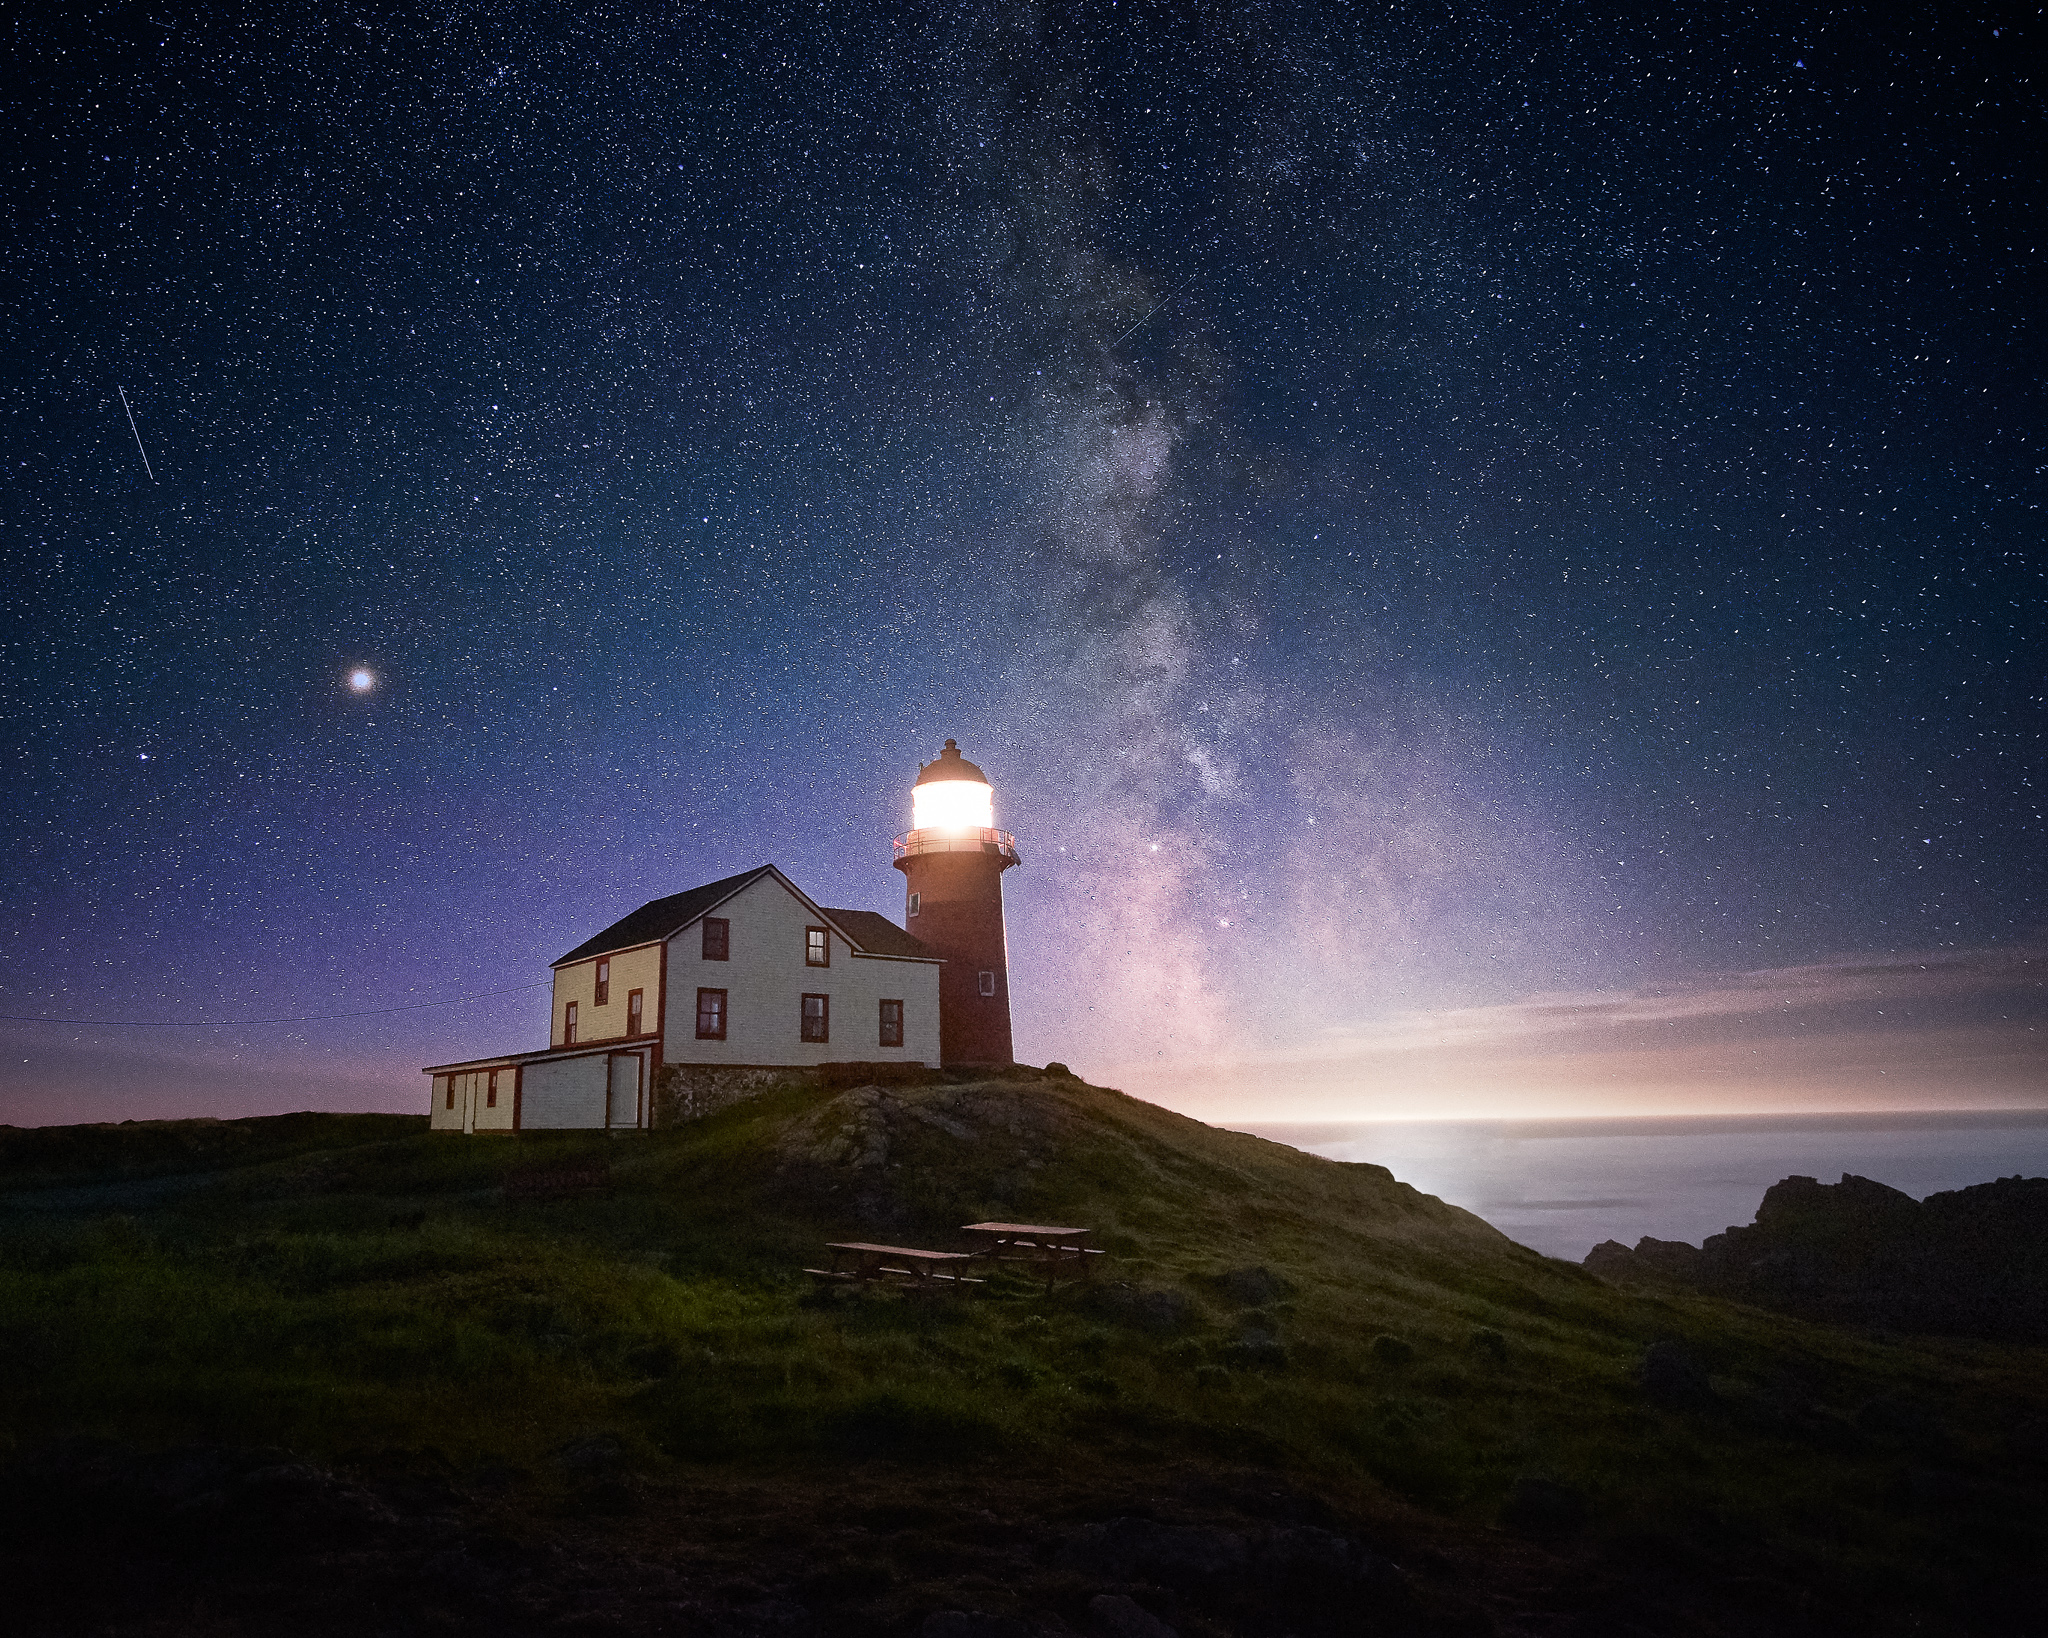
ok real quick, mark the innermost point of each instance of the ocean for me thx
(1563, 1186)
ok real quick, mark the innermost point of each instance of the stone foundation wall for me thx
(686, 1092)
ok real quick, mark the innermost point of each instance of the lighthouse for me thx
(953, 860)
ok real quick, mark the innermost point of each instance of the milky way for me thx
(1430, 520)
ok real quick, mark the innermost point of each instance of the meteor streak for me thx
(123, 391)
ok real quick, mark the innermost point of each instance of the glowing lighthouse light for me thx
(953, 804)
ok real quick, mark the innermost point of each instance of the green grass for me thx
(340, 1288)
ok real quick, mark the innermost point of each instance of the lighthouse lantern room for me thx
(953, 862)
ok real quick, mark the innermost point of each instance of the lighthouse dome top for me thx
(950, 765)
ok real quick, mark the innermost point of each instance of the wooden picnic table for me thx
(897, 1263)
(1055, 1249)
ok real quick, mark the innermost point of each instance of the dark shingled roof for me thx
(878, 935)
(662, 917)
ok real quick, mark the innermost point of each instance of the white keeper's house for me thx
(703, 996)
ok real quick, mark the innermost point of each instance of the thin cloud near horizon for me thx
(1941, 1029)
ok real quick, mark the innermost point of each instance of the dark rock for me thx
(598, 1453)
(1256, 1349)
(1157, 1310)
(296, 1502)
(1115, 1616)
(1173, 1555)
(971, 1624)
(1543, 1507)
(1252, 1287)
(851, 1579)
(1389, 1349)
(459, 1571)
(1315, 1563)
(1675, 1259)
(1671, 1374)
(1666, 1261)
(1489, 1345)
(780, 1618)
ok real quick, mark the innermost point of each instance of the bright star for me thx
(361, 681)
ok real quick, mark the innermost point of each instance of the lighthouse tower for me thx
(953, 862)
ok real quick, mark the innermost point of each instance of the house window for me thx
(817, 947)
(817, 1018)
(604, 982)
(717, 938)
(636, 1010)
(450, 1084)
(491, 1091)
(569, 1024)
(892, 1023)
(988, 983)
(916, 901)
(711, 1015)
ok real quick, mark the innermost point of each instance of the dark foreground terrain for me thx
(329, 1374)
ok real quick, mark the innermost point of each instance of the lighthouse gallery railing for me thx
(954, 839)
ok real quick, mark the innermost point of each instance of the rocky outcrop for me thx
(1968, 1262)
(887, 1154)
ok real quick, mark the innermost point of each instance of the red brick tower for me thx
(953, 863)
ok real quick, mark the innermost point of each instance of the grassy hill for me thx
(1276, 1343)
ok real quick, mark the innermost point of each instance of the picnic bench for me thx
(1043, 1248)
(861, 1262)
(1055, 1251)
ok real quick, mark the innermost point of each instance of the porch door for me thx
(622, 1107)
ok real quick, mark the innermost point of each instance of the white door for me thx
(624, 1104)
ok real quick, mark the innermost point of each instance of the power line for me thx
(310, 1018)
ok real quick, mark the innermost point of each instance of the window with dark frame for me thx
(604, 984)
(451, 1092)
(636, 1010)
(717, 938)
(988, 983)
(569, 1024)
(711, 1015)
(892, 1023)
(916, 902)
(491, 1091)
(817, 1020)
(817, 947)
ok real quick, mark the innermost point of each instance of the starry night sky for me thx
(1492, 556)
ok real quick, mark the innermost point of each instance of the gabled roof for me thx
(878, 935)
(869, 933)
(662, 918)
